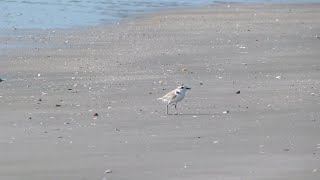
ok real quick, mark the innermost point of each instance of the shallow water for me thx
(44, 14)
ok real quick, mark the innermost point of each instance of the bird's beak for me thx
(188, 88)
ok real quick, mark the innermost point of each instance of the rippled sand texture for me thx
(81, 104)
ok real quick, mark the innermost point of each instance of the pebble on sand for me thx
(238, 92)
(108, 171)
(96, 114)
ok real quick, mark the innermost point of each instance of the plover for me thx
(174, 96)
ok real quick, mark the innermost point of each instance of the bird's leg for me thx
(167, 109)
(175, 106)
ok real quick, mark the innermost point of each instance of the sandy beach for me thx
(81, 104)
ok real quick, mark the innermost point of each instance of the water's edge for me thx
(12, 38)
(51, 14)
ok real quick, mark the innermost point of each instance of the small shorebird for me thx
(174, 96)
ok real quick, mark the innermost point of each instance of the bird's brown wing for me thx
(170, 95)
(174, 96)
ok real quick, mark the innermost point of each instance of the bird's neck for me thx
(180, 91)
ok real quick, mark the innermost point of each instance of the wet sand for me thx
(57, 80)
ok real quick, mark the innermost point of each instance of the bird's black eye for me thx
(182, 87)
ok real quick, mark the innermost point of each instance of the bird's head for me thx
(183, 87)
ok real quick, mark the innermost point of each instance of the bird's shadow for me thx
(192, 114)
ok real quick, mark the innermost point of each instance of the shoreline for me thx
(17, 17)
(86, 108)
(25, 34)
(123, 21)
